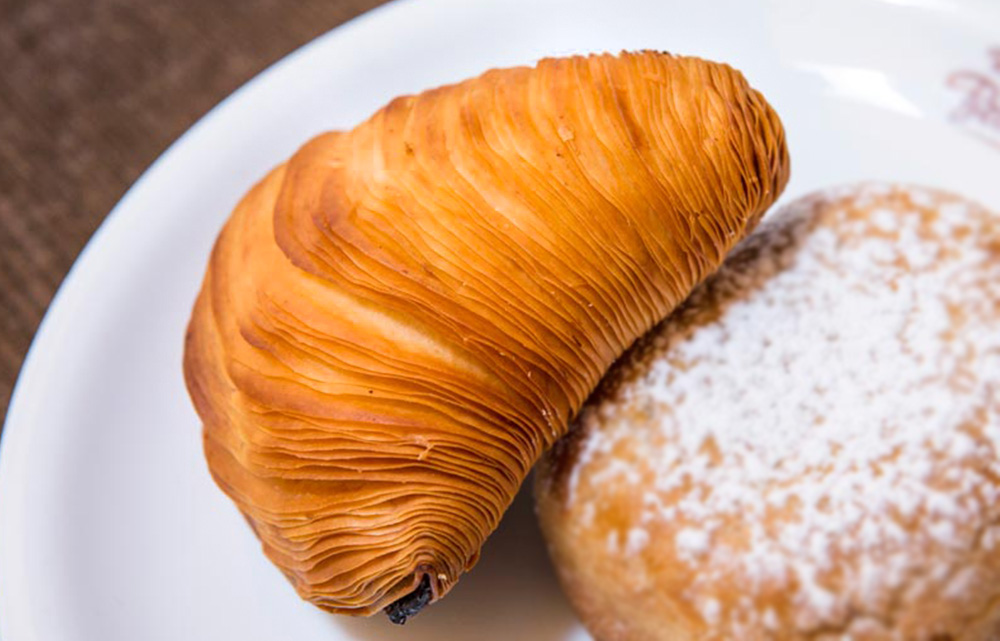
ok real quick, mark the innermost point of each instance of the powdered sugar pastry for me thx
(821, 421)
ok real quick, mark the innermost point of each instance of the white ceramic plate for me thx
(110, 527)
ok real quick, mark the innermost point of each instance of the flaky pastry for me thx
(396, 323)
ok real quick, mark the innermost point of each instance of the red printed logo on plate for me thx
(980, 110)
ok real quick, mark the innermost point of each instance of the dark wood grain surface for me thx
(91, 92)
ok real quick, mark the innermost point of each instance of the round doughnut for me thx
(807, 448)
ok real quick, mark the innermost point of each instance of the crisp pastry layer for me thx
(808, 447)
(395, 323)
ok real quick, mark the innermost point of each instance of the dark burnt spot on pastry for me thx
(402, 609)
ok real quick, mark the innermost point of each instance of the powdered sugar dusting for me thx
(832, 395)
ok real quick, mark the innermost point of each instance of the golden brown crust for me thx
(808, 447)
(397, 322)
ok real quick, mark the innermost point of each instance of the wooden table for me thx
(90, 94)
